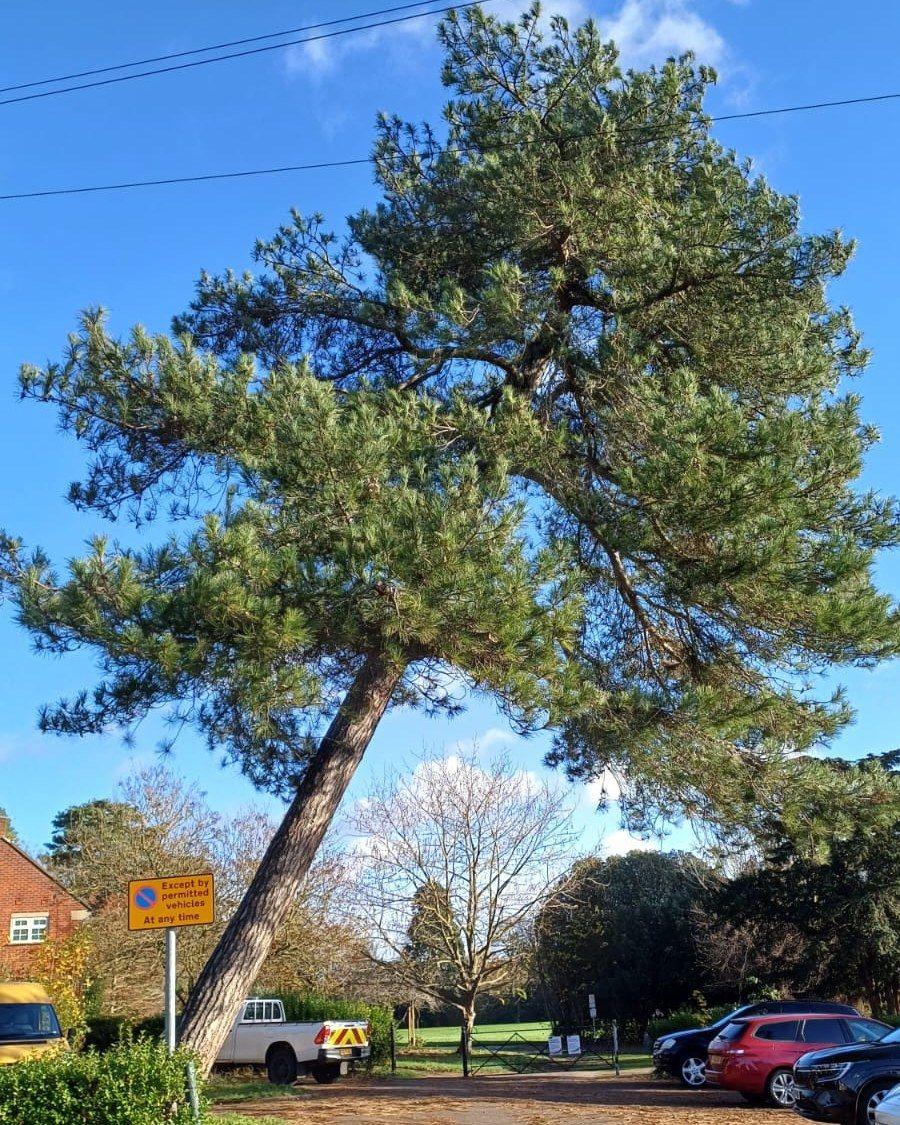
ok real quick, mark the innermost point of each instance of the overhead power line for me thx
(110, 68)
(350, 161)
(189, 179)
(807, 106)
(242, 54)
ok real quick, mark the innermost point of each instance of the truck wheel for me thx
(281, 1065)
(327, 1074)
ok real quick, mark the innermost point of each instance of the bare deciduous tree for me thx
(456, 857)
(160, 825)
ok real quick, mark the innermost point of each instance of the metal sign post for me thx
(171, 965)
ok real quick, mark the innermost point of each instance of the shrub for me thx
(130, 1084)
(104, 1032)
(62, 966)
(684, 1019)
(299, 1006)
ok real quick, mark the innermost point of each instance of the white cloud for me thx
(621, 842)
(481, 743)
(575, 11)
(648, 31)
(645, 30)
(606, 787)
(319, 57)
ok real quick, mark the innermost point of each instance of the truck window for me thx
(267, 1011)
(253, 1012)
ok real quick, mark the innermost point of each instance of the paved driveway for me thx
(515, 1100)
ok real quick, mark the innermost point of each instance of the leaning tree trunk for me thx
(232, 968)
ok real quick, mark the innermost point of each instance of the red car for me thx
(756, 1056)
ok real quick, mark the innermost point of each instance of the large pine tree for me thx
(564, 412)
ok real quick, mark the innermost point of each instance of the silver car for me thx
(887, 1112)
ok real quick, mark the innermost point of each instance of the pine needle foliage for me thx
(567, 411)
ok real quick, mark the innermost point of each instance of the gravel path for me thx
(633, 1099)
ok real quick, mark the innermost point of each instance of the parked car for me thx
(682, 1054)
(756, 1056)
(28, 1022)
(888, 1110)
(261, 1036)
(847, 1084)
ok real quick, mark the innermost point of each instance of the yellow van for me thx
(28, 1022)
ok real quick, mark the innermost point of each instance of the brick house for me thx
(33, 908)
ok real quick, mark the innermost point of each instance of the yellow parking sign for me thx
(182, 900)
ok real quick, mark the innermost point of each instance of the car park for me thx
(682, 1054)
(848, 1084)
(756, 1056)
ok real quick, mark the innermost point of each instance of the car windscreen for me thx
(735, 1015)
(892, 1036)
(28, 1021)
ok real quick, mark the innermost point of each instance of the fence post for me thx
(393, 1048)
(615, 1033)
(193, 1096)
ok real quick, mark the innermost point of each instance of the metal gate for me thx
(523, 1056)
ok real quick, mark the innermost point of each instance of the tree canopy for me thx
(577, 285)
(566, 411)
(833, 920)
(623, 929)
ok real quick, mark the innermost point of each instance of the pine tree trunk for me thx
(231, 970)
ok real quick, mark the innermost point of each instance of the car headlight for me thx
(828, 1072)
(667, 1044)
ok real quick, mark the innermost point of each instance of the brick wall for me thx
(25, 888)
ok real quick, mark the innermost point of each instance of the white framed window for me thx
(28, 929)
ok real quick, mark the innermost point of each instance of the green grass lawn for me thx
(435, 1048)
(492, 1032)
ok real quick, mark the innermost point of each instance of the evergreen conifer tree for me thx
(565, 412)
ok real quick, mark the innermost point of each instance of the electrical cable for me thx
(239, 54)
(368, 160)
(212, 47)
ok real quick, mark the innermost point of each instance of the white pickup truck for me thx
(261, 1036)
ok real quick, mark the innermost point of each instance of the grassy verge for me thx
(243, 1119)
(245, 1086)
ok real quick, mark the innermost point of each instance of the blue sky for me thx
(138, 253)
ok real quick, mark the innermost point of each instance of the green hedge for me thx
(298, 1006)
(686, 1019)
(130, 1084)
(104, 1032)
